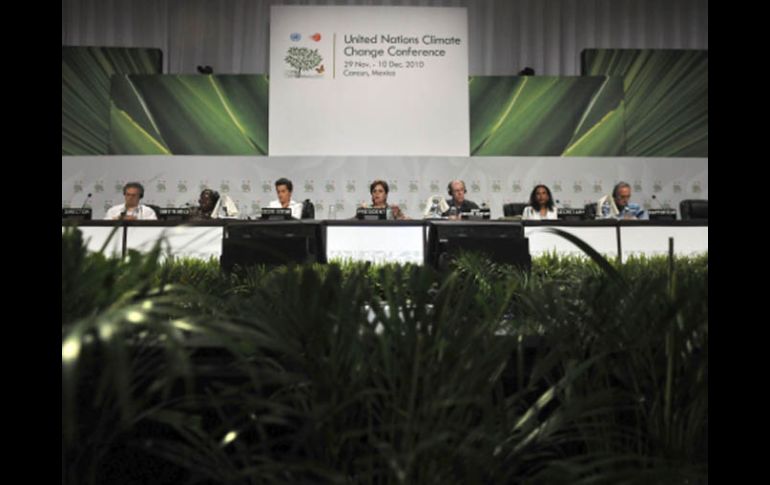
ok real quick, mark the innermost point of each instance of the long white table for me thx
(403, 241)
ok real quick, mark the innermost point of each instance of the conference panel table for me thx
(399, 241)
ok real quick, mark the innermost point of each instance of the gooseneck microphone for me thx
(88, 197)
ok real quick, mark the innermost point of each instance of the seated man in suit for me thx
(456, 189)
(618, 205)
(284, 188)
(132, 210)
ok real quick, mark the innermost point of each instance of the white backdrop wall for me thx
(173, 181)
(504, 35)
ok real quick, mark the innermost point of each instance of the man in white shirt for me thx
(284, 188)
(132, 210)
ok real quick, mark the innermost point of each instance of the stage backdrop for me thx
(172, 181)
(654, 103)
(368, 81)
(666, 96)
(85, 92)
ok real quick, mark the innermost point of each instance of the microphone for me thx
(660, 206)
(86, 201)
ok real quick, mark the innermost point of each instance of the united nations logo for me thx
(496, 186)
(657, 186)
(402, 205)
(161, 186)
(309, 186)
(577, 187)
(637, 186)
(246, 186)
(413, 186)
(394, 185)
(434, 186)
(678, 188)
(181, 186)
(557, 186)
(329, 186)
(319, 205)
(266, 187)
(99, 187)
(118, 186)
(78, 187)
(598, 187)
(475, 186)
(255, 206)
(696, 188)
(350, 186)
(340, 205)
(517, 186)
(224, 187)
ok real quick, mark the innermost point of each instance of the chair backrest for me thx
(155, 208)
(590, 211)
(694, 209)
(308, 210)
(514, 209)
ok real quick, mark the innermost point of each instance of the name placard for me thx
(276, 213)
(84, 213)
(371, 214)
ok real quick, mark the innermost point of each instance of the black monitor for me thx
(271, 243)
(502, 242)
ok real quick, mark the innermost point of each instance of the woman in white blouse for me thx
(540, 206)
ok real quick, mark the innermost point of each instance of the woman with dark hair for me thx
(379, 191)
(540, 206)
(206, 203)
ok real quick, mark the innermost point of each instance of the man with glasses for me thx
(132, 210)
(619, 206)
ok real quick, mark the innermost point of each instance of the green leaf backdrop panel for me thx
(190, 115)
(666, 93)
(546, 116)
(86, 73)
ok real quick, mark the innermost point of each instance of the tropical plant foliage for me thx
(666, 98)
(189, 115)
(546, 115)
(85, 92)
(574, 373)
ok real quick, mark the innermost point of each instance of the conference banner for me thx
(353, 81)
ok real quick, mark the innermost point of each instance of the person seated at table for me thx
(284, 188)
(618, 205)
(206, 203)
(131, 209)
(379, 191)
(456, 189)
(541, 206)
